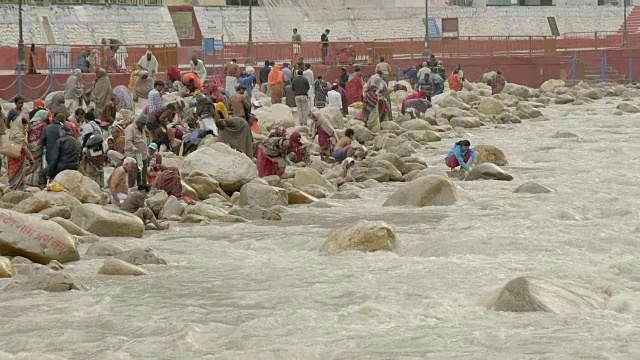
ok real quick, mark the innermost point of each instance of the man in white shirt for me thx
(423, 71)
(308, 73)
(334, 98)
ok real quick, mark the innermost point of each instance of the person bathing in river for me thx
(460, 155)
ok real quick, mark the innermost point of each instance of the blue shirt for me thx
(264, 74)
(247, 83)
(460, 154)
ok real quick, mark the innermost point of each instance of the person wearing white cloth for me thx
(334, 98)
(149, 63)
(197, 66)
(232, 71)
(73, 91)
(308, 74)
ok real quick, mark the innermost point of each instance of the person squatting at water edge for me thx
(460, 155)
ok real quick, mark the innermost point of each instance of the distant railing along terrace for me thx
(85, 2)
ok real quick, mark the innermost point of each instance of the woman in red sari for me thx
(17, 167)
(297, 151)
(355, 87)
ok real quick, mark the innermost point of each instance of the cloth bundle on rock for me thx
(236, 133)
(170, 181)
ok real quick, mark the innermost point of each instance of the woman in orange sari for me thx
(276, 84)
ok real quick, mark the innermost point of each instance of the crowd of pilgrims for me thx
(86, 129)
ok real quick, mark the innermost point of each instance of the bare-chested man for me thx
(343, 148)
(232, 71)
(118, 181)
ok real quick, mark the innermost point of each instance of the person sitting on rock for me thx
(155, 163)
(298, 153)
(460, 155)
(118, 181)
(497, 83)
(135, 204)
(343, 148)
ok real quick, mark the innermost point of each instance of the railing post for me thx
(603, 72)
(52, 82)
(574, 66)
(630, 70)
(595, 40)
(20, 67)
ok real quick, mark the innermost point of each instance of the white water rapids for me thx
(263, 291)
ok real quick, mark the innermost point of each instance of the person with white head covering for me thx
(149, 63)
(423, 71)
(73, 91)
(197, 66)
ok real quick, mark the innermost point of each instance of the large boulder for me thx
(254, 212)
(58, 199)
(592, 94)
(422, 136)
(172, 209)
(31, 205)
(628, 108)
(487, 171)
(468, 97)
(491, 106)
(453, 102)
(415, 124)
(103, 249)
(334, 115)
(529, 110)
(156, 201)
(229, 167)
(274, 116)
(80, 186)
(315, 191)
(451, 112)
(362, 134)
(38, 240)
(120, 268)
(564, 99)
(141, 256)
(262, 195)
(490, 154)
(518, 90)
(363, 173)
(6, 269)
(71, 228)
(394, 173)
(43, 278)
(203, 184)
(431, 190)
(103, 221)
(532, 188)
(529, 294)
(57, 211)
(465, 122)
(551, 85)
(15, 197)
(308, 176)
(208, 211)
(361, 236)
(299, 197)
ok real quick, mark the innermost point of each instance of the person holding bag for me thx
(17, 151)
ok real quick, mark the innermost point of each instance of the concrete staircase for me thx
(633, 21)
(593, 74)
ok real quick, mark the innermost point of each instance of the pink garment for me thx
(266, 166)
(324, 139)
(354, 89)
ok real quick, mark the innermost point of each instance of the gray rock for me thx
(141, 256)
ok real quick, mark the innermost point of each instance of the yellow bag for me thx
(55, 187)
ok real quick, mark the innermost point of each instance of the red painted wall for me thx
(197, 41)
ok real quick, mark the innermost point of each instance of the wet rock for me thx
(103, 221)
(103, 249)
(416, 174)
(452, 102)
(229, 167)
(628, 108)
(233, 219)
(551, 85)
(39, 241)
(55, 265)
(361, 236)
(43, 278)
(71, 228)
(362, 134)
(323, 205)
(15, 197)
(465, 122)
(631, 93)
(422, 137)
(140, 256)
(468, 97)
(449, 113)
(592, 94)
(298, 197)
(540, 119)
(532, 188)
(156, 201)
(31, 205)
(362, 173)
(334, 115)
(345, 195)
(386, 141)
(80, 187)
(314, 190)
(58, 199)
(529, 294)
(617, 113)
(203, 184)
(529, 110)
(194, 219)
(6, 269)
(431, 190)
(120, 268)
(394, 159)
(390, 125)
(394, 173)
(208, 211)
(402, 150)
(564, 135)
(518, 90)
(307, 176)
(255, 213)
(262, 195)
(564, 99)
(491, 106)
(487, 171)
(490, 154)
(172, 209)
(416, 124)
(63, 212)
(508, 118)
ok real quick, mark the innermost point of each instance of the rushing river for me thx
(263, 291)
